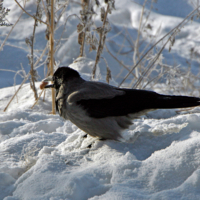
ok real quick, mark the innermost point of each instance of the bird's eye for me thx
(57, 80)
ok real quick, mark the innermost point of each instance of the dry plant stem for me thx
(61, 36)
(8, 70)
(108, 74)
(155, 79)
(136, 46)
(44, 96)
(61, 14)
(83, 36)
(85, 6)
(25, 79)
(120, 51)
(32, 54)
(38, 98)
(28, 13)
(50, 24)
(82, 46)
(43, 53)
(130, 41)
(52, 55)
(63, 7)
(100, 44)
(173, 30)
(145, 74)
(46, 13)
(117, 34)
(15, 46)
(13, 26)
(118, 60)
(149, 11)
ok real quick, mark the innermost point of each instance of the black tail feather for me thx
(166, 101)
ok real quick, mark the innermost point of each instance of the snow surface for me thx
(44, 157)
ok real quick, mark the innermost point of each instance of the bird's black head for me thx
(61, 75)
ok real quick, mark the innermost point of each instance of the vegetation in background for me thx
(3, 13)
(147, 67)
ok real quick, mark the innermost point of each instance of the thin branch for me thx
(120, 62)
(15, 46)
(174, 29)
(63, 6)
(52, 55)
(100, 47)
(46, 13)
(28, 13)
(136, 46)
(64, 28)
(108, 72)
(13, 26)
(38, 60)
(32, 71)
(8, 70)
(37, 99)
(25, 79)
(85, 6)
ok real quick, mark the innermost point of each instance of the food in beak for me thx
(43, 84)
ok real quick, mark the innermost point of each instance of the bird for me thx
(102, 110)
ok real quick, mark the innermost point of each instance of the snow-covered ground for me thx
(45, 157)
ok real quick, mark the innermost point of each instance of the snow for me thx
(43, 156)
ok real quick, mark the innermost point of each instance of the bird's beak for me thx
(49, 78)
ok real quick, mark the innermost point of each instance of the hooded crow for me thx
(102, 110)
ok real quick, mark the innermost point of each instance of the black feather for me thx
(134, 101)
(66, 73)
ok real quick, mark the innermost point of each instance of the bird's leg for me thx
(90, 145)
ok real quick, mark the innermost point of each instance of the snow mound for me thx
(43, 156)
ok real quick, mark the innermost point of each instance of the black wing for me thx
(132, 101)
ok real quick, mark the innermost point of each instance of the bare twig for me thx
(32, 71)
(47, 16)
(38, 60)
(65, 26)
(120, 62)
(136, 46)
(29, 14)
(101, 39)
(108, 72)
(37, 99)
(63, 6)
(25, 79)
(173, 31)
(52, 54)
(81, 36)
(13, 26)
